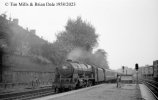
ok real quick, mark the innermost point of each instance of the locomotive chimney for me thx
(68, 60)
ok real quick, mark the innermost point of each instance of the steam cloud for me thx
(84, 56)
(78, 53)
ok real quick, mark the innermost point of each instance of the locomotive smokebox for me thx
(66, 70)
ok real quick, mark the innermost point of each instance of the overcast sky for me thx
(128, 29)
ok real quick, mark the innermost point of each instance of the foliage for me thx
(79, 34)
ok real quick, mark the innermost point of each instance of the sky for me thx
(127, 29)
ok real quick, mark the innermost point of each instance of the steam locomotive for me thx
(73, 75)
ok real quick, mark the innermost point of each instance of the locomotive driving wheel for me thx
(56, 90)
(89, 83)
(78, 84)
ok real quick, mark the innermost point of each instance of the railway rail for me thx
(152, 86)
(27, 95)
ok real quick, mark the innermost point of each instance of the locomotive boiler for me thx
(70, 69)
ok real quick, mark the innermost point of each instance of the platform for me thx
(145, 93)
(100, 92)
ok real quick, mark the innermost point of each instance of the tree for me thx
(79, 34)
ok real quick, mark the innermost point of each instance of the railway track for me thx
(27, 95)
(152, 86)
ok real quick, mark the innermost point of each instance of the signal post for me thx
(136, 68)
